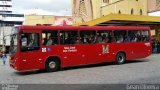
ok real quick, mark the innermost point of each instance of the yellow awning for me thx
(123, 19)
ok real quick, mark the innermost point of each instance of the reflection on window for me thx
(104, 36)
(134, 36)
(88, 37)
(50, 38)
(120, 36)
(29, 41)
(69, 37)
(145, 36)
(14, 43)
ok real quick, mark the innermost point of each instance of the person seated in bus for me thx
(120, 39)
(44, 41)
(62, 39)
(49, 41)
(110, 38)
(94, 39)
(144, 38)
(77, 40)
(104, 39)
(134, 39)
(81, 40)
(99, 38)
(31, 43)
(87, 40)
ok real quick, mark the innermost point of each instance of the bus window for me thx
(68, 37)
(120, 36)
(88, 37)
(29, 41)
(145, 35)
(50, 38)
(134, 36)
(104, 36)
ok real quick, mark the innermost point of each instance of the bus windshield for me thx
(14, 41)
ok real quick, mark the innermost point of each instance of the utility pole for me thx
(4, 40)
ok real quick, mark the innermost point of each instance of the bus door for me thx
(30, 50)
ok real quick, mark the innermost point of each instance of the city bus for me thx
(55, 47)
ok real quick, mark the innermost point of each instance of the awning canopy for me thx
(123, 19)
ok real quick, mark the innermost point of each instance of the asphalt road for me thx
(134, 72)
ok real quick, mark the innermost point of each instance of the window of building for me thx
(104, 36)
(69, 37)
(132, 11)
(87, 37)
(141, 12)
(49, 38)
(82, 8)
(119, 12)
(105, 1)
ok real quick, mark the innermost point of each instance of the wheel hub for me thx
(52, 64)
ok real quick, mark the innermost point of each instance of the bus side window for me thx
(145, 35)
(134, 36)
(120, 36)
(104, 36)
(68, 37)
(88, 37)
(49, 37)
(29, 41)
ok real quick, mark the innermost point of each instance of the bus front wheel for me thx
(52, 65)
(120, 58)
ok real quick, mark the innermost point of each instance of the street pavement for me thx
(134, 72)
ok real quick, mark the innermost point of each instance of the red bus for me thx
(55, 47)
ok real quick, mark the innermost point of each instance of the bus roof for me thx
(84, 27)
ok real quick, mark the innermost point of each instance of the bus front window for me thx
(14, 43)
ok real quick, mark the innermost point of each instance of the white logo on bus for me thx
(44, 50)
(105, 49)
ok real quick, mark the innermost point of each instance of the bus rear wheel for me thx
(120, 58)
(52, 65)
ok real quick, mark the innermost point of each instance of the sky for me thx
(49, 7)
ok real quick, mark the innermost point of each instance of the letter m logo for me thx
(105, 49)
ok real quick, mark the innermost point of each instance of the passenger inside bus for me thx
(120, 39)
(99, 38)
(49, 41)
(31, 43)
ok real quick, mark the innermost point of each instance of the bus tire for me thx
(120, 58)
(52, 65)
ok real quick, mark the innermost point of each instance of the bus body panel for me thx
(78, 54)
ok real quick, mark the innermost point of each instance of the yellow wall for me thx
(38, 19)
(125, 7)
(96, 4)
(99, 8)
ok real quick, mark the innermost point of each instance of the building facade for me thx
(154, 10)
(5, 6)
(48, 20)
(7, 21)
(86, 10)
